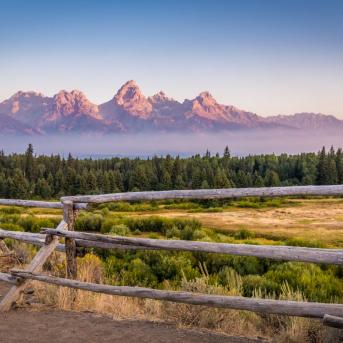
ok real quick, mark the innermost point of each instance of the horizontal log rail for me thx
(282, 307)
(333, 321)
(209, 194)
(80, 201)
(38, 239)
(40, 204)
(9, 278)
(314, 255)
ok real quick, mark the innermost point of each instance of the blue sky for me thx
(266, 56)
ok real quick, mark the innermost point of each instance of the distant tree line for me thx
(30, 176)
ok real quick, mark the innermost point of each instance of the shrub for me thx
(171, 266)
(11, 227)
(243, 265)
(214, 209)
(11, 210)
(310, 279)
(173, 232)
(122, 206)
(183, 206)
(138, 273)
(89, 222)
(34, 224)
(253, 282)
(243, 234)
(162, 225)
(304, 243)
(120, 230)
(108, 224)
(9, 218)
(187, 233)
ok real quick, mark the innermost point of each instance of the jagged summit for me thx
(66, 103)
(205, 106)
(131, 111)
(206, 95)
(206, 101)
(131, 99)
(127, 91)
(26, 94)
(26, 107)
(160, 97)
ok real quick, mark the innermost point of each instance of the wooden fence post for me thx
(35, 265)
(70, 244)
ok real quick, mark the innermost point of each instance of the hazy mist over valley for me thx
(241, 143)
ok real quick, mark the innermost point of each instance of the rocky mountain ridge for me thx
(131, 111)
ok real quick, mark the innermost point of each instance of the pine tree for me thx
(29, 163)
(322, 168)
(42, 189)
(227, 153)
(258, 180)
(272, 179)
(106, 184)
(220, 179)
(2, 186)
(332, 176)
(166, 182)
(60, 187)
(70, 181)
(138, 179)
(204, 185)
(20, 187)
(176, 171)
(91, 183)
(179, 183)
(339, 165)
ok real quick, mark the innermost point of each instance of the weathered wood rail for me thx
(210, 194)
(40, 204)
(315, 255)
(48, 240)
(293, 308)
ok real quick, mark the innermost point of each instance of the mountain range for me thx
(130, 111)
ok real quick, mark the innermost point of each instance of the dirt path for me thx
(57, 326)
(49, 325)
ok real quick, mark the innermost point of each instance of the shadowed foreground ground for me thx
(23, 325)
(49, 325)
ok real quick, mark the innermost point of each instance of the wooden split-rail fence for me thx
(48, 241)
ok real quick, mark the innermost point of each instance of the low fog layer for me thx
(143, 145)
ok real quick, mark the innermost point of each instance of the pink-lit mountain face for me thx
(66, 111)
(130, 111)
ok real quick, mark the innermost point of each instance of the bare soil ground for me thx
(44, 324)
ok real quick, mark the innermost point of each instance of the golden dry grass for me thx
(239, 323)
(319, 219)
(313, 219)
